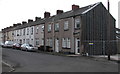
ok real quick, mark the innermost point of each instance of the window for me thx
(57, 27)
(24, 31)
(42, 41)
(20, 32)
(37, 41)
(27, 41)
(43, 28)
(66, 42)
(23, 41)
(63, 43)
(49, 42)
(27, 31)
(118, 32)
(49, 28)
(66, 25)
(37, 28)
(77, 23)
(14, 33)
(17, 32)
(31, 30)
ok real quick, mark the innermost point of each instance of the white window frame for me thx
(63, 43)
(47, 42)
(66, 26)
(66, 42)
(57, 27)
(77, 21)
(37, 41)
(27, 31)
(37, 29)
(42, 41)
(50, 42)
(31, 30)
(24, 31)
(49, 27)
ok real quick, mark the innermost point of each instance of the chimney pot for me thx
(74, 7)
(46, 14)
(23, 22)
(37, 18)
(59, 11)
(30, 20)
(14, 25)
(18, 24)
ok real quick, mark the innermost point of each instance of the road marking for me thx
(11, 67)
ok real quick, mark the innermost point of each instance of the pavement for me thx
(115, 58)
(112, 57)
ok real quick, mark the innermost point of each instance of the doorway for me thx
(77, 46)
(57, 45)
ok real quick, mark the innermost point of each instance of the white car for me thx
(8, 44)
(28, 47)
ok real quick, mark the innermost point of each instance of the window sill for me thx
(66, 29)
(65, 48)
(49, 31)
(77, 28)
(56, 30)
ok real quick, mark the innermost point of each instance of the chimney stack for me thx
(59, 11)
(30, 20)
(14, 25)
(74, 7)
(37, 18)
(24, 22)
(18, 24)
(46, 14)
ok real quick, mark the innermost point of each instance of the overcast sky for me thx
(16, 11)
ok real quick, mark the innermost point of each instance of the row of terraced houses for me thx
(90, 29)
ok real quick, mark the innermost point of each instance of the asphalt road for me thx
(39, 62)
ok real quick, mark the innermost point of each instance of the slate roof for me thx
(67, 14)
(72, 13)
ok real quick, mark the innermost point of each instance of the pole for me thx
(108, 23)
(104, 48)
(108, 6)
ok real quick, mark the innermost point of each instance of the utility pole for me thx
(108, 23)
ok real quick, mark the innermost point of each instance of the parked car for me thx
(28, 47)
(1, 44)
(17, 46)
(8, 44)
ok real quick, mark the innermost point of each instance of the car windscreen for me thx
(30, 45)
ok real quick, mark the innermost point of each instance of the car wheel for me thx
(21, 49)
(26, 49)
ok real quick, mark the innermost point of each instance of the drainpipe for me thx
(53, 36)
(73, 35)
(44, 38)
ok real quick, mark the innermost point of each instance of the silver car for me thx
(28, 47)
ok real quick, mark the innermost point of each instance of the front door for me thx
(57, 45)
(77, 48)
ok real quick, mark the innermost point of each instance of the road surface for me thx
(40, 62)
